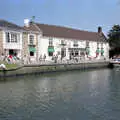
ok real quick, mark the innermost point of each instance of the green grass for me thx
(9, 66)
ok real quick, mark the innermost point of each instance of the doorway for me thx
(11, 52)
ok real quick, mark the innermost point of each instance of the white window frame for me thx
(14, 37)
(50, 41)
(33, 42)
(87, 43)
(75, 43)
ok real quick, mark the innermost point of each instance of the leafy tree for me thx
(114, 36)
(114, 40)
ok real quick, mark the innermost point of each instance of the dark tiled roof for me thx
(9, 25)
(64, 32)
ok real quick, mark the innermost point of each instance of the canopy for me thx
(51, 50)
(32, 49)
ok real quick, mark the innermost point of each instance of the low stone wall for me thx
(32, 69)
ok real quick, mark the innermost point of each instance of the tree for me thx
(114, 36)
(114, 40)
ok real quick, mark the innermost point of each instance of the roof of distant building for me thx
(9, 25)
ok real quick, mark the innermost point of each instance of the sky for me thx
(80, 14)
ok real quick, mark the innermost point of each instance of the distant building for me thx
(35, 40)
(10, 38)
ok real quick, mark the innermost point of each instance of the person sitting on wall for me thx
(3, 66)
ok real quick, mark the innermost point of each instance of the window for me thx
(50, 47)
(50, 50)
(75, 43)
(63, 42)
(50, 53)
(50, 41)
(31, 39)
(87, 44)
(7, 37)
(31, 53)
(12, 37)
(97, 45)
(101, 45)
(63, 52)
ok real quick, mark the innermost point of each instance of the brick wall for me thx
(25, 44)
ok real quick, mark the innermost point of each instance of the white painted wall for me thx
(107, 48)
(17, 46)
(44, 42)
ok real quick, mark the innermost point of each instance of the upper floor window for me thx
(101, 45)
(31, 39)
(87, 44)
(7, 34)
(63, 42)
(75, 44)
(12, 37)
(50, 41)
(97, 45)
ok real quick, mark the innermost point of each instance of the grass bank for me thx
(9, 66)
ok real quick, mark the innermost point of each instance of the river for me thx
(75, 95)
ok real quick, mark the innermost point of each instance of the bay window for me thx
(12, 37)
(31, 39)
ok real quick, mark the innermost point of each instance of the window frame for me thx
(31, 41)
(75, 43)
(87, 44)
(12, 37)
(50, 41)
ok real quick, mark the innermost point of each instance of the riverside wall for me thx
(39, 69)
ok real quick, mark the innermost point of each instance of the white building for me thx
(36, 40)
(68, 43)
(10, 38)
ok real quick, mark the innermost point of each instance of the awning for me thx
(32, 49)
(102, 51)
(97, 51)
(51, 50)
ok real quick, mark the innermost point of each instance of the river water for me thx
(76, 95)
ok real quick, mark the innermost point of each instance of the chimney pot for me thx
(26, 22)
(99, 29)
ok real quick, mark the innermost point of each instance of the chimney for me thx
(26, 22)
(99, 29)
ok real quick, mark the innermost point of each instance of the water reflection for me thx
(63, 96)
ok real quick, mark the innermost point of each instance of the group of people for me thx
(9, 58)
(42, 59)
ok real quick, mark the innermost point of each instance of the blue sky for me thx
(81, 14)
